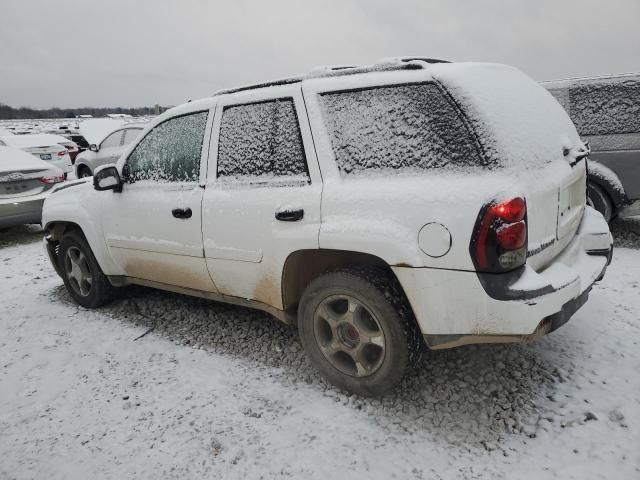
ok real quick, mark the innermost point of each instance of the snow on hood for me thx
(34, 140)
(12, 159)
(95, 130)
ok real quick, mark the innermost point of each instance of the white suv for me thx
(414, 201)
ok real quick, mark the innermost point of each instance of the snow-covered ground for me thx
(223, 392)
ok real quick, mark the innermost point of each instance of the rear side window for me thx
(170, 152)
(395, 128)
(259, 141)
(607, 107)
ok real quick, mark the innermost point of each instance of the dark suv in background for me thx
(606, 111)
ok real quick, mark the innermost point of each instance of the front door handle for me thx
(287, 215)
(182, 212)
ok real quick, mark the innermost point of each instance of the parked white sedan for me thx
(46, 147)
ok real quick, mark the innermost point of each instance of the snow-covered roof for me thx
(96, 130)
(386, 64)
(565, 82)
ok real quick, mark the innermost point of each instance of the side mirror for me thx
(107, 177)
(94, 148)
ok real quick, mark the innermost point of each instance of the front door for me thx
(262, 199)
(153, 228)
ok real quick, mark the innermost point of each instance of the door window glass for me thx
(261, 141)
(130, 134)
(113, 140)
(170, 152)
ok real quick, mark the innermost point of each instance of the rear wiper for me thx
(582, 154)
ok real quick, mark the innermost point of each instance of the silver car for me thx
(606, 111)
(107, 151)
(25, 182)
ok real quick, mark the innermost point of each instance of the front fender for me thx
(75, 204)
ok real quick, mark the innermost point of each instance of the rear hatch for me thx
(530, 138)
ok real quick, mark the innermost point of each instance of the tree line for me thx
(10, 113)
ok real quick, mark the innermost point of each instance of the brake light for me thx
(499, 241)
(62, 153)
(511, 211)
(51, 179)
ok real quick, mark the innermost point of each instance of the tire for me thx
(367, 360)
(84, 172)
(600, 200)
(86, 283)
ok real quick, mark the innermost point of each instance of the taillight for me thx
(62, 153)
(499, 241)
(51, 179)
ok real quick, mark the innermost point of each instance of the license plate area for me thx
(45, 156)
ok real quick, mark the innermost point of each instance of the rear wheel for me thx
(82, 275)
(357, 330)
(598, 199)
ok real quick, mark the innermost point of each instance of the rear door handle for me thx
(287, 215)
(182, 212)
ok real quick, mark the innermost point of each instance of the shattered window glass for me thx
(400, 127)
(261, 140)
(170, 152)
(606, 107)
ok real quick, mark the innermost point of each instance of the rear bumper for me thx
(453, 308)
(21, 211)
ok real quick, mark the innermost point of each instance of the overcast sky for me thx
(72, 53)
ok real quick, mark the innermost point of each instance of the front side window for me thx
(130, 134)
(113, 140)
(400, 127)
(259, 141)
(607, 107)
(170, 152)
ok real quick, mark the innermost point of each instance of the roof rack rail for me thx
(383, 65)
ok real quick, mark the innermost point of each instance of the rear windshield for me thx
(399, 127)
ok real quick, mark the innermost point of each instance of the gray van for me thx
(606, 111)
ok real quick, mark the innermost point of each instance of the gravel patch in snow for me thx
(221, 390)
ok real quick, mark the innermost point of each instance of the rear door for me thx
(262, 199)
(153, 228)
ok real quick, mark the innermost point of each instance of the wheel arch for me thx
(303, 266)
(608, 180)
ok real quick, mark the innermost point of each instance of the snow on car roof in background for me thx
(33, 140)
(15, 159)
(95, 130)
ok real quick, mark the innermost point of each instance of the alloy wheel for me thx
(349, 336)
(78, 271)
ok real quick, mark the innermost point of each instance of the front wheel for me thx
(356, 329)
(82, 275)
(84, 172)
